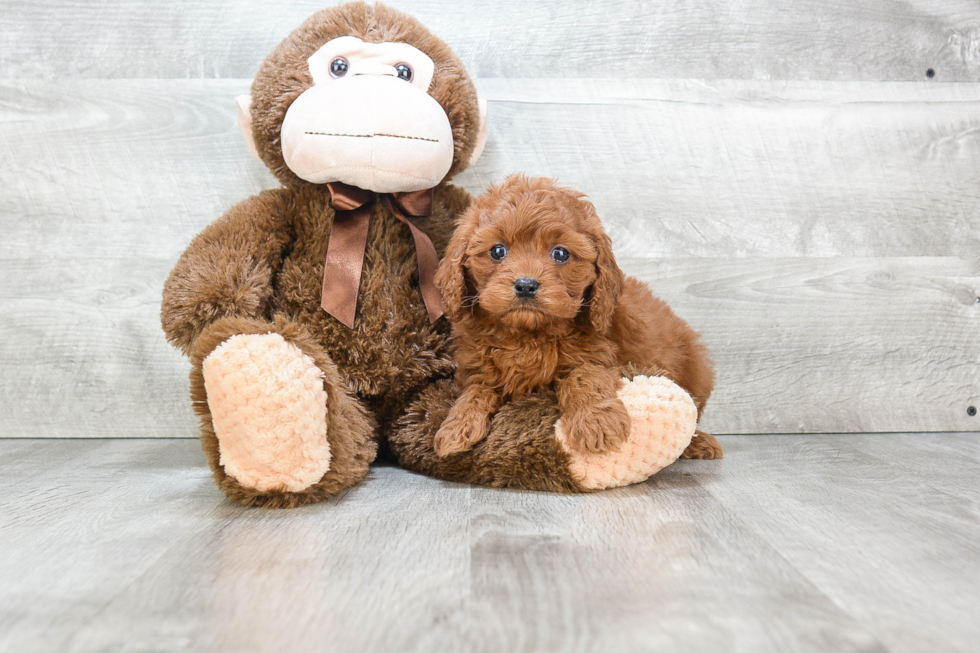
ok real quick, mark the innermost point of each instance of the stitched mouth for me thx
(411, 138)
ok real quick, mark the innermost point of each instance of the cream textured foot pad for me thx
(269, 411)
(664, 419)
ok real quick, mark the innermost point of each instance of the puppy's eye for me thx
(560, 254)
(404, 71)
(339, 67)
(498, 252)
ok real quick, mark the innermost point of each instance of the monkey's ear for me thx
(481, 137)
(244, 103)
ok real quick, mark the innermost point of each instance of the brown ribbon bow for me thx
(348, 238)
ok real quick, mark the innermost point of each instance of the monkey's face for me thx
(368, 120)
(365, 95)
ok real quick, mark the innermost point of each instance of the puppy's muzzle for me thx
(525, 287)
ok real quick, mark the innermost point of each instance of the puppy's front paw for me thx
(459, 433)
(598, 427)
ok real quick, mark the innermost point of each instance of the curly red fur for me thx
(583, 327)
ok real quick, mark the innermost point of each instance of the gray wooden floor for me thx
(818, 542)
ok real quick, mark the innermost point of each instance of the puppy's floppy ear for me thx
(609, 282)
(451, 275)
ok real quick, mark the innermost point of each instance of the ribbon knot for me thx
(348, 238)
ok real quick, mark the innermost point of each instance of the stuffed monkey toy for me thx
(309, 312)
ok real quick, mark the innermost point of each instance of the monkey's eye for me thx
(560, 255)
(339, 67)
(498, 252)
(404, 71)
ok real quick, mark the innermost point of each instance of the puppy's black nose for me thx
(526, 287)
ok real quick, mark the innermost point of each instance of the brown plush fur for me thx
(263, 263)
(520, 451)
(586, 322)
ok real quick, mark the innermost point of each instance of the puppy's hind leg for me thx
(704, 446)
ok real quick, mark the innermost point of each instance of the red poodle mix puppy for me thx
(538, 301)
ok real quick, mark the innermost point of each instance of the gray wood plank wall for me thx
(788, 178)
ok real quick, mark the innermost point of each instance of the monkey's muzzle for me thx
(376, 132)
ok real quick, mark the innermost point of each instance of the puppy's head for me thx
(530, 254)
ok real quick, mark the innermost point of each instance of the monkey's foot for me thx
(269, 411)
(663, 420)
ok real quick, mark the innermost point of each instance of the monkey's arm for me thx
(227, 270)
